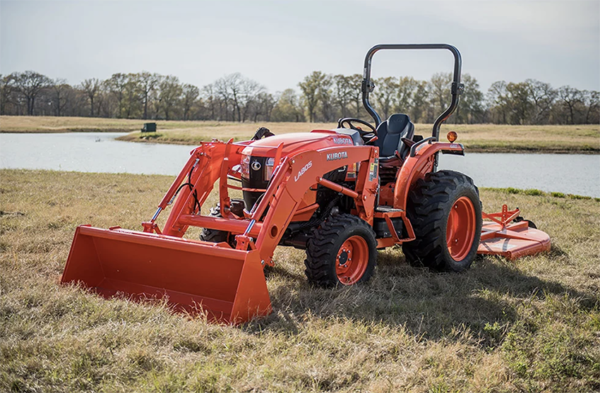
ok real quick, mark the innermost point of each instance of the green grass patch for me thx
(150, 135)
(574, 196)
(534, 192)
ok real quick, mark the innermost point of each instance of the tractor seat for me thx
(390, 134)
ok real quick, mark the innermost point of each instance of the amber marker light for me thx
(452, 136)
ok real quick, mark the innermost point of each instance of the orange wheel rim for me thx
(352, 260)
(460, 230)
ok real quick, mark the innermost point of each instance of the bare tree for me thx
(132, 97)
(439, 90)
(591, 100)
(61, 96)
(287, 107)
(229, 89)
(190, 95)
(253, 98)
(7, 87)
(169, 95)
(91, 87)
(323, 98)
(570, 97)
(385, 93)
(355, 83)
(419, 102)
(313, 88)
(405, 94)
(210, 97)
(542, 96)
(148, 83)
(342, 94)
(497, 97)
(29, 84)
(116, 85)
(263, 104)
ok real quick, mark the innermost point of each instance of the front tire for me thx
(445, 211)
(342, 251)
(215, 235)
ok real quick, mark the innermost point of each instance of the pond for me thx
(100, 152)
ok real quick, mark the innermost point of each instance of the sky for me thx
(278, 43)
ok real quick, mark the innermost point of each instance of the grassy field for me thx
(531, 325)
(476, 137)
(51, 124)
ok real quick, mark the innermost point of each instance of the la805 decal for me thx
(302, 171)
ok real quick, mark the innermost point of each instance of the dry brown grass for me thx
(51, 124)
(222, 130)
(531, 325)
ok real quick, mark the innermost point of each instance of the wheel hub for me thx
(352, 260)
(460, 229)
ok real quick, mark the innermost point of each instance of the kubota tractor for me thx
(340, 194)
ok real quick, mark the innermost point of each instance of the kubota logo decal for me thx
(303, 170)
(337, 156)
(342, 141)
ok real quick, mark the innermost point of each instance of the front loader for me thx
(339, 194)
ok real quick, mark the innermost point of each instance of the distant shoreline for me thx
(65, 131)
(477, 138)
(136, 138)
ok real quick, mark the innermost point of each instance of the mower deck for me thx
(503, 236)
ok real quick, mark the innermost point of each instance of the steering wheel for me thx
(351, 120)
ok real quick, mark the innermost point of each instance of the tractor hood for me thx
(296, 142)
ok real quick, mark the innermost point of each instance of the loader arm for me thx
(294, 177)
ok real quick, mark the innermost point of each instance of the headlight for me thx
(245, 164)
(269, 168)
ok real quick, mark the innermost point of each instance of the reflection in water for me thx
(99, 152)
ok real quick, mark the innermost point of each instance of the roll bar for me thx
(456, 90)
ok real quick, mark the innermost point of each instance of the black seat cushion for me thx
(390, 134)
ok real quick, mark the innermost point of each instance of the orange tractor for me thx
(340, 194)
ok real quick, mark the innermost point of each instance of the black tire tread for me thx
(214, 235)
(321, 250)
(425, 210)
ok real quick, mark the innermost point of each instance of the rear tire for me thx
(342, 251)
(445, 212)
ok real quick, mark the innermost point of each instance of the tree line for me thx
(321, 98)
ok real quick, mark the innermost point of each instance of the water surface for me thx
(99, 152)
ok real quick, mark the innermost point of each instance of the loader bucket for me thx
(227, 284)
